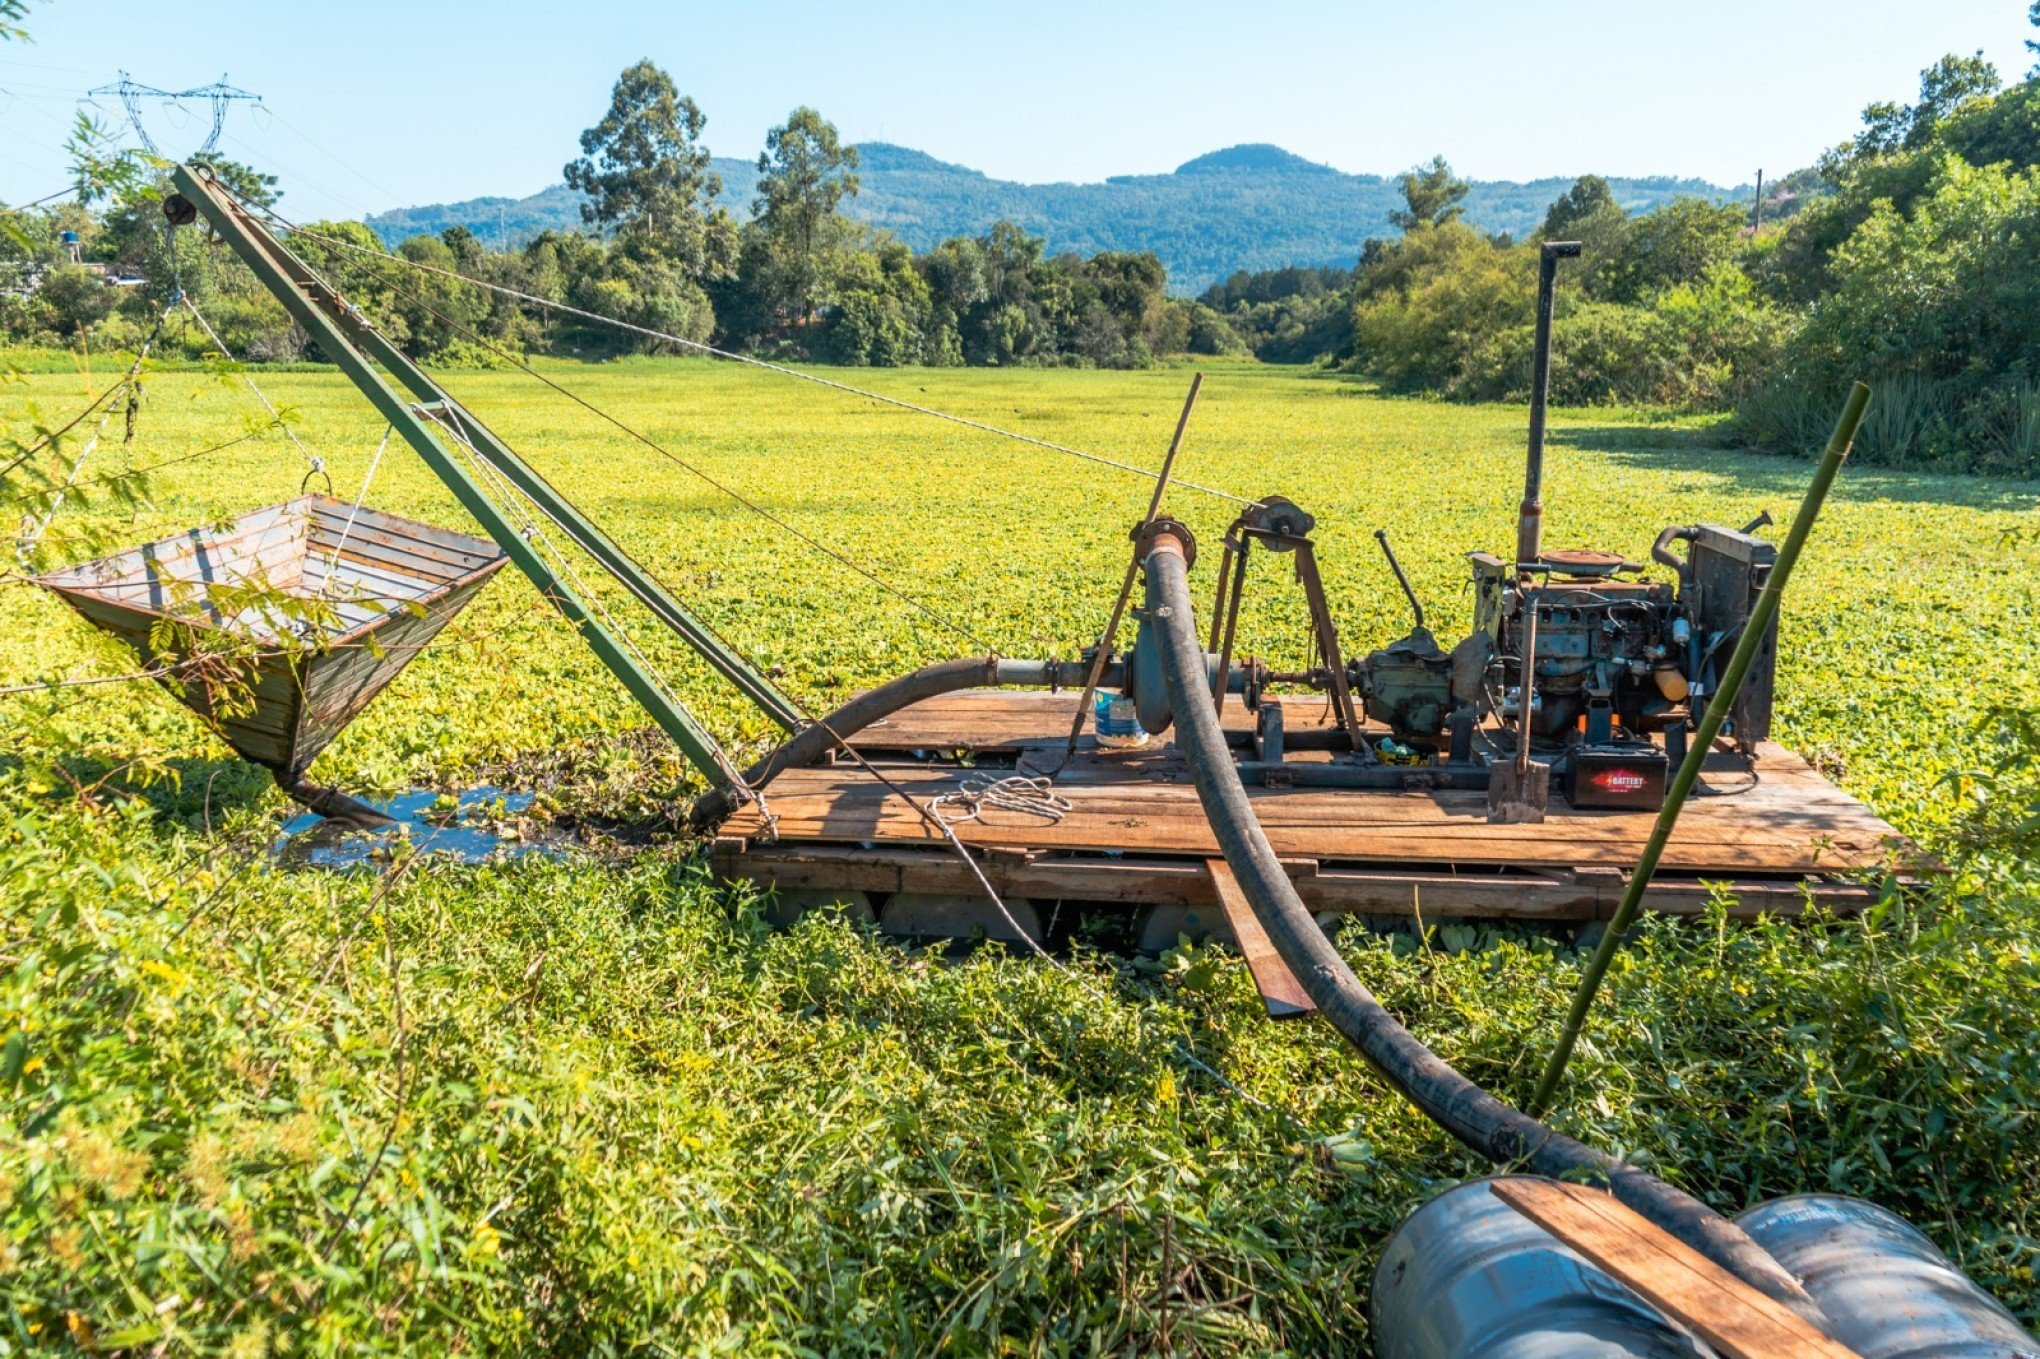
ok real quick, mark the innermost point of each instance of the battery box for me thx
(1628, 775)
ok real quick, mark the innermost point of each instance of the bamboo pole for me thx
(1104, 651)
(1753, 634)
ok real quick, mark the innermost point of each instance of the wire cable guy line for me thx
(315, 464)
(735, 357)
(926, 610)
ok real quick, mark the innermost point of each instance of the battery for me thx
(1625, 774)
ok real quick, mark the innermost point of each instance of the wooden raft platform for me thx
(1775, 835)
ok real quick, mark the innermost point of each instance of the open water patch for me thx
(480, 825)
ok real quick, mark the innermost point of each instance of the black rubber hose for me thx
(813, 742)
(1661, 550)
(1503, 1134)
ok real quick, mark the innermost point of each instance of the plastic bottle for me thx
(1116, 724)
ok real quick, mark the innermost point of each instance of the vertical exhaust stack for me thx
(1530, 515)
(1518, 792)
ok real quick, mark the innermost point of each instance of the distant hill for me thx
(1246, 207)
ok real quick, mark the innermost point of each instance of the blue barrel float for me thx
(1466, 1276)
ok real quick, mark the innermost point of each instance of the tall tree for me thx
(1587, 199)
(804, 174)
(1945, 87)
(1889, 126)
(1433, 195)
(646, 176)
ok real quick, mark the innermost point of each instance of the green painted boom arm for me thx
(584, 531)
(316, 307)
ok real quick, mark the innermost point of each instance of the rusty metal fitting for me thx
(1163, 532)
(1280, 517)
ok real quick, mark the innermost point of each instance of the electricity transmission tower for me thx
(133, 95)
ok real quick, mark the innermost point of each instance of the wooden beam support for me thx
(1683, 1285)
(1156, 881)
(1280, 991)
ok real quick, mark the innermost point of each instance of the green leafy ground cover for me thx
(595, 1105)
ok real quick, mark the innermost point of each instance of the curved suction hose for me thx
(1503, 1134)
(813, 742)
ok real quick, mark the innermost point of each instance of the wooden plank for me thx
(404, 538)
(1128, 881)
(1682, 1284)
(426, 571)
(326, 509)
(1281, 993)
(1161, 815)
(440, 604)
(265, 539)
(353, 576)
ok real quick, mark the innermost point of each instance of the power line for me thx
(306, 138)
(38, 202)
(46, 66)
(346, 201)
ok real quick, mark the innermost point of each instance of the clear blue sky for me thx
(379, 104)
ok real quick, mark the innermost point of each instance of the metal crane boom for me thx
(356, 347)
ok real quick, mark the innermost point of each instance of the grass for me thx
(597, 1106)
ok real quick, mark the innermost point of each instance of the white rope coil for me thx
(1028, 794)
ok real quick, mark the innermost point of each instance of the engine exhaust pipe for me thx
(1530, 514)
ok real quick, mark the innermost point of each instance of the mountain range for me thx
(1246, 207)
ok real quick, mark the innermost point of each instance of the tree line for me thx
(661, 250)
(1904, 257)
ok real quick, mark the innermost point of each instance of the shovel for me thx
(1518, 791)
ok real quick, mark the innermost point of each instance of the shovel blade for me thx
(1518, 801)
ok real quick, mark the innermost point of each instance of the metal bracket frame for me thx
(344, 334)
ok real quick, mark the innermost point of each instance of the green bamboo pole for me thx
(1753, 634)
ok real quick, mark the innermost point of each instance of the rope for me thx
(42, 686)
(632, 587)
(333, 557)
(196, 453)
(48, 440)
(946, 829)
(32, 530)
(316, 465)
(848, 563)
(534, 532)
(1029, 794)
(732, 356)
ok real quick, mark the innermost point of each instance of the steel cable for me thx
(733, 357)
(926, 610)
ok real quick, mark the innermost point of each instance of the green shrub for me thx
(1938, 307)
